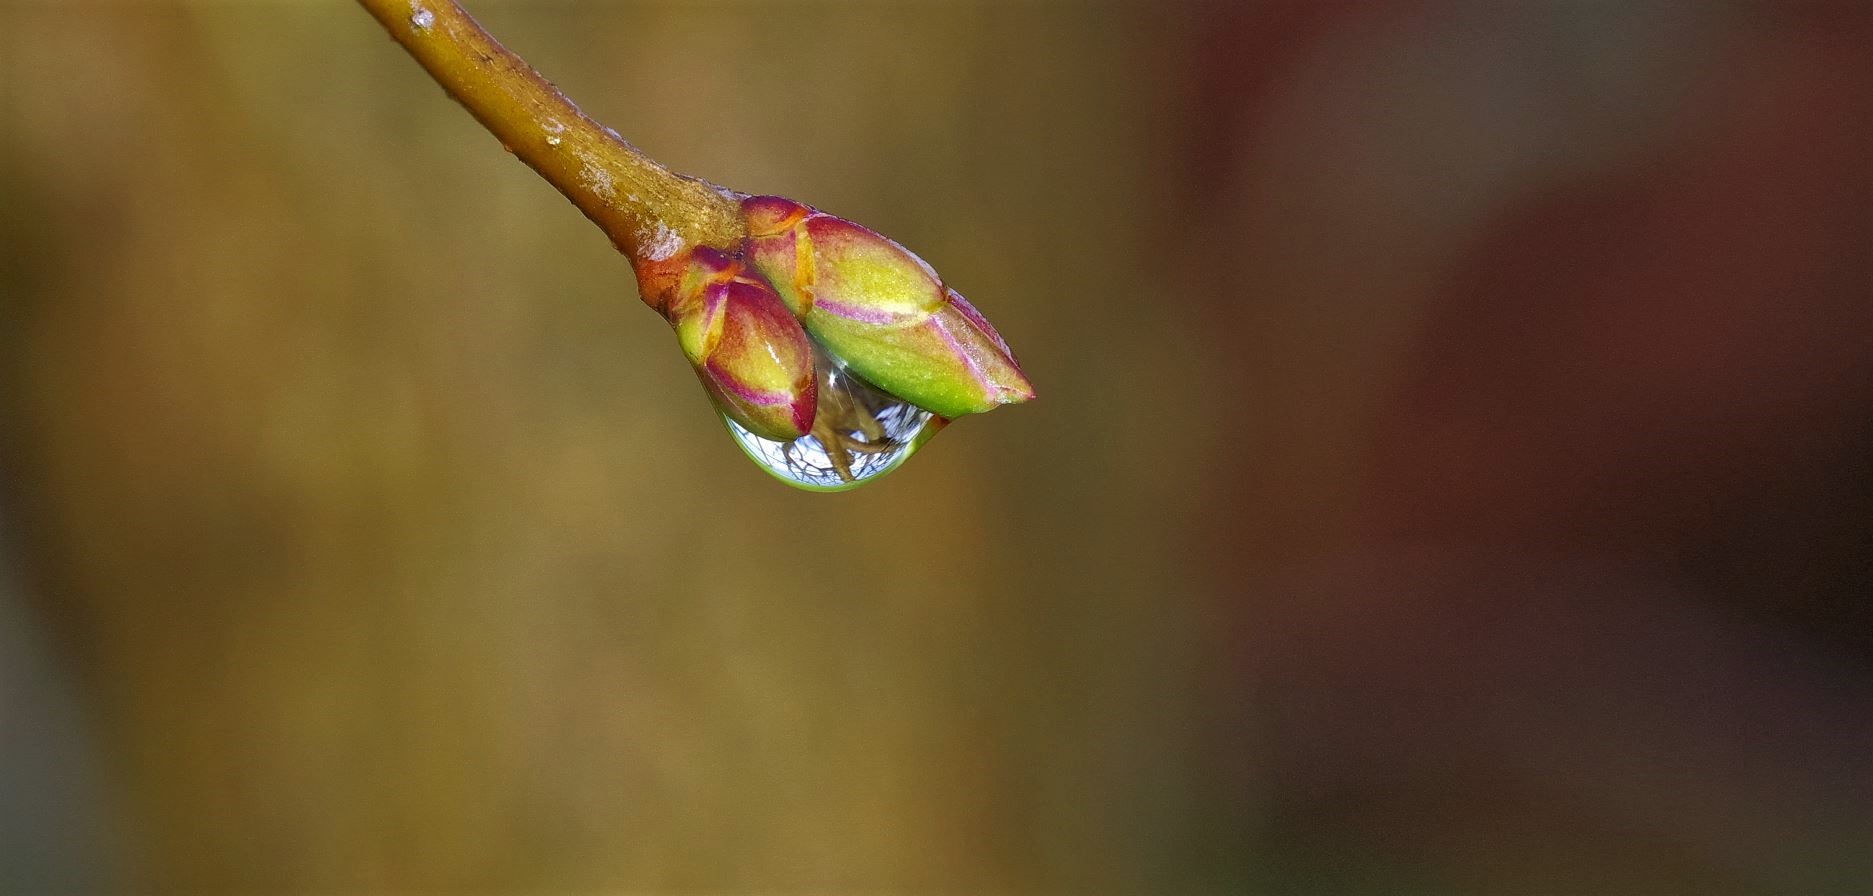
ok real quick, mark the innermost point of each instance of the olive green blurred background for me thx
(1450, 471)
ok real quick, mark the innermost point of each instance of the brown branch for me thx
(649, 212)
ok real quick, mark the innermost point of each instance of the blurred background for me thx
(1451, 472)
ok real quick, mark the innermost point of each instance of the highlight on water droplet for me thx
(859, 434)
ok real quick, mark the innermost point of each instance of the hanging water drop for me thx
(859, 434)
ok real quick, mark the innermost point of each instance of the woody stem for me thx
(645, 208)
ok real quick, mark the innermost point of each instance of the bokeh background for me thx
(1451, 473)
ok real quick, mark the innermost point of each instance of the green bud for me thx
(878, 308)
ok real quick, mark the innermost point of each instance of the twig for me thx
(649, 212)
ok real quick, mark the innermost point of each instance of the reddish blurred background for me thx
(1451, 472)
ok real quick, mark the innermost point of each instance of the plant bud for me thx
(748, 350)
(881, 310)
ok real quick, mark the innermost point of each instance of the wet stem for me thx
(648, 211)
(641, 205)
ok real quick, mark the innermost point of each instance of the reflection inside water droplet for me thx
(860, 434)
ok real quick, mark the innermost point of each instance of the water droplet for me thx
(860, 434)
(552, 140)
